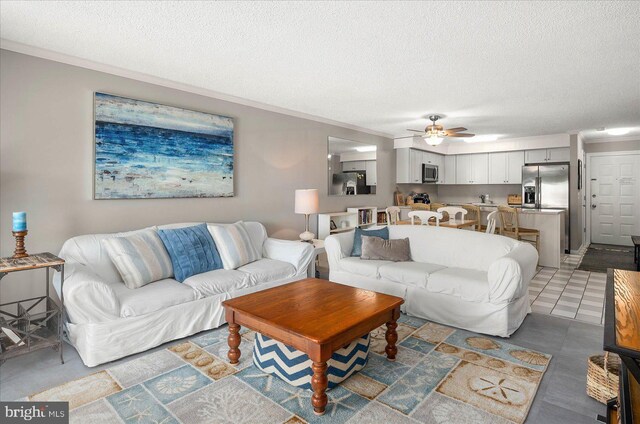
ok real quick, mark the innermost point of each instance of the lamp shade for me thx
(307, 201)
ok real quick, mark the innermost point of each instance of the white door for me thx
(615, 198)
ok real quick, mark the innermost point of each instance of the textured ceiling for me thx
(508, 68)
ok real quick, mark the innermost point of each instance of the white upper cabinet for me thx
(558, 154)
(439, 160)
(372, 174)
(403, 165)
(353, 165)
(463, 169)
(416, 158)
(448, 176)
(472, 169)
(480, 168)
(497, 168)
(506, 167)
(515, 162)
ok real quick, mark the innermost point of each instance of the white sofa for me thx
(107, 321)
(465, 279)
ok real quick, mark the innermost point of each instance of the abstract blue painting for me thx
(146, 150)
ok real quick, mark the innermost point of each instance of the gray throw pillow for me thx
(386, 250)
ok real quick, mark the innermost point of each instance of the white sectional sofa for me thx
(107, 320)
(465, 279)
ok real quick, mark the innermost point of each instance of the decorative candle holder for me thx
(20, 251)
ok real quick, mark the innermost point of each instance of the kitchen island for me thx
(550, 223)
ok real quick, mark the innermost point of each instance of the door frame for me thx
(588, 184)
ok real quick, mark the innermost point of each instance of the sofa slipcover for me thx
(105, 321)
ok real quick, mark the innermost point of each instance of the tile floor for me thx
(569, 293)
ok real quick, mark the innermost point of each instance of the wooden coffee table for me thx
(316, 317)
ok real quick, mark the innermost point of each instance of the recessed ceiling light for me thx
(618, 131)
(367, 149)
(481, 138)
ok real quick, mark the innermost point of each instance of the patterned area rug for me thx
(441, 375)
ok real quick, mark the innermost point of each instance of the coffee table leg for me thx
(319, 383)
(234, 342)
(392, 337)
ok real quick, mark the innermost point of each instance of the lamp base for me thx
(307, 236)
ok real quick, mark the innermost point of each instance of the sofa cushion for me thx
(191, 249)
(357, 238)
(234, 245)
(218, 281)
(152, 297)
(361, 267)
(409, 273)
(140, 258)
(468, 284)
(264, 270)
(386, 250)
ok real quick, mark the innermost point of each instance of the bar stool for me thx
(511, 227)
(473, 212)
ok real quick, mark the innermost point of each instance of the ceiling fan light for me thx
(433, 139)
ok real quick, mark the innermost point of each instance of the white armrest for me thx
(338, 246)
(297, 253)
(87, 298)
(510, 275)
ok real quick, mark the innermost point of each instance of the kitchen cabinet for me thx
(472, 169)
(439, 160)
(506, 167)
(558, 154)
(408, 166)
(372, 174)
(448, 176)
(353, 165)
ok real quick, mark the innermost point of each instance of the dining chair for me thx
(491, 222)
(453, 211)
(511, 227)
(435, 206)
(393, 215)
(425, 216)
(420, 207)
(473, 212)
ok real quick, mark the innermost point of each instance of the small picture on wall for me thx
(147, 150)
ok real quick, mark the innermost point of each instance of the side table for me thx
(33, 330)
(318, 248)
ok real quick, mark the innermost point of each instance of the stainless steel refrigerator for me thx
(547, 187)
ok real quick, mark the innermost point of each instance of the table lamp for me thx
(306, 203)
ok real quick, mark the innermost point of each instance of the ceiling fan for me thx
(434, 134)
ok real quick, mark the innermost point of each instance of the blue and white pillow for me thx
(140, 258)
(192, 250)
(234, 245)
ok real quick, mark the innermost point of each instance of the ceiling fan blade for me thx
(456, 129)
(420, 131)
(460, 135)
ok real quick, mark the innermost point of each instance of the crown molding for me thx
(611, 139)
(140, 76)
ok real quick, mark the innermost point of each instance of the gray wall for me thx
(575, 195)
(612, 146)
(46, 155)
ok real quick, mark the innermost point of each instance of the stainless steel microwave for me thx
(429, 173)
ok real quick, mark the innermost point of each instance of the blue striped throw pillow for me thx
(140, 258)
(192, 250)
(234, 245)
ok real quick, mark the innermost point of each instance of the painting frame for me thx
(226, 143)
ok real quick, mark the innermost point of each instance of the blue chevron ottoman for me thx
(294, 366)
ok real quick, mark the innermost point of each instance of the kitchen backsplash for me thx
(471, 193)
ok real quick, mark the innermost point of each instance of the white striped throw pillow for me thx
(140, 258)
(234, 245)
